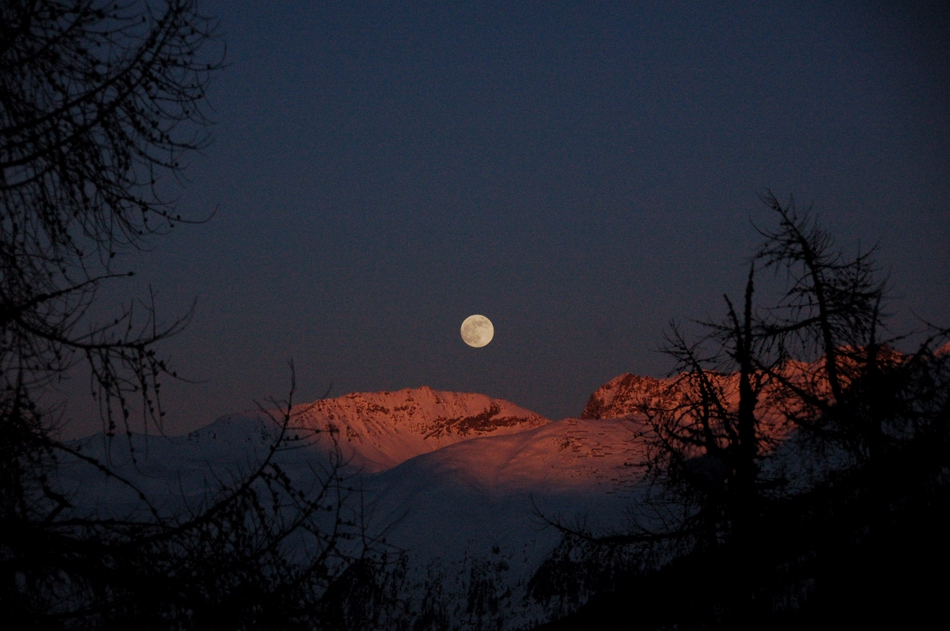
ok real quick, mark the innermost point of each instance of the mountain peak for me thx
(378, 430)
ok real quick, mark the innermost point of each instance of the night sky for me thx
(581, 173)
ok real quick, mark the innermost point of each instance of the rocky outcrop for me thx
(621, 396)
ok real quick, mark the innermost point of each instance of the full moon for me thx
(477, 331)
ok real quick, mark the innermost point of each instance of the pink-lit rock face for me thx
(639, 399)
(632, 396)
(622, 396)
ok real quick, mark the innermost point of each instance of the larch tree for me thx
(99, 104)
(795, 459)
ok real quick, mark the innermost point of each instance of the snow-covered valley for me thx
(448, 479)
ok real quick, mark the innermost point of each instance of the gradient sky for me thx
(579, 172)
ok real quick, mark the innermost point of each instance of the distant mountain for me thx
(461, 482)
(451, 478)
(627, 396)
(379, 430)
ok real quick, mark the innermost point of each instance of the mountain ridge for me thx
(376, 431)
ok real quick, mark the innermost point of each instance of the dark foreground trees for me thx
(99, 102)
(797, 463)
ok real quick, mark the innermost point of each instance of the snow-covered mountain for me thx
(627, 395)
(448, 473)
(450, 478)
(462, 483)
(379, 430)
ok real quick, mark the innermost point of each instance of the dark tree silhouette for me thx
(793, 441)
(764, 368)
(99, 103)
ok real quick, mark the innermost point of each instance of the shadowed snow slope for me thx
(450, 478)
(482, 492)
(447, 473)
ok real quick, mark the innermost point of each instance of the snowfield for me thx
(460, 483)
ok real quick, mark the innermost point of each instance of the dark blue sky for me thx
(579, 172)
